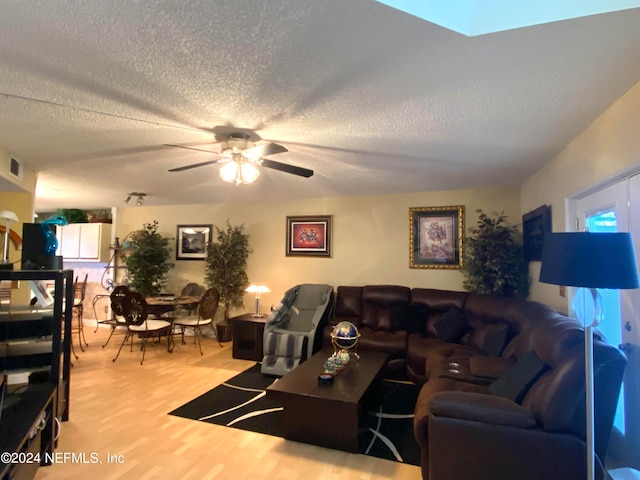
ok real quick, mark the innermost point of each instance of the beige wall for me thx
(19, 199)
(22, 204)
(608, 149)
(9, 182)
(370, 238)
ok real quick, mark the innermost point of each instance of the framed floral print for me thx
(435, 237)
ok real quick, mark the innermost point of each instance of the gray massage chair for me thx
(293, 331)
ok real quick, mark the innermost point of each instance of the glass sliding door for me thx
(611, 210)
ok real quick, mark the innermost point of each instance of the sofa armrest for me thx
(454, 374)
(489, 367)
(481, 407)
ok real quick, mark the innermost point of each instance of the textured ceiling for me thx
(372, 99)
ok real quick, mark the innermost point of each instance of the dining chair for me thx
(77, 323)
(206, 311)
(134, 309)
(191, 290)
(117, 311)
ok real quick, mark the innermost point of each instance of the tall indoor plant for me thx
(226, 265)
(494, 260)
(148, 263)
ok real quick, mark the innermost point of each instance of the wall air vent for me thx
(16, 169)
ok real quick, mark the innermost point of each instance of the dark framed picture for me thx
(309, 236)
(534, 225)
(192, 241)
(435, 237)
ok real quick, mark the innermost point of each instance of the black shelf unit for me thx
(28, 422)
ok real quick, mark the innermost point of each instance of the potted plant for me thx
(148, 262)
(74, 215)
(226, 264)
(494, 260)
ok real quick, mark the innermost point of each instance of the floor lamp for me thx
(589, 261)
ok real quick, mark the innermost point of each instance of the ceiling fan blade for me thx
(263, 150)
(283, 167)
(194, 165)
(191, 148)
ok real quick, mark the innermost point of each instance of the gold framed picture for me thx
(435, 237)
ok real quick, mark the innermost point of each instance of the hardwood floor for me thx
(119, 412)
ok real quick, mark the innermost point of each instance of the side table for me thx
(248, 331)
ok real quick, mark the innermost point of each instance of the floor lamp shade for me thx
(589, 261)
(593, 260)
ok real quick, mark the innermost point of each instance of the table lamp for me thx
(257, 289)
(589, 261)
(8, 216)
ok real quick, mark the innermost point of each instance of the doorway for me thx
(614, 209)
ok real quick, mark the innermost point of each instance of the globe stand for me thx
(337, 350)
(344, 338)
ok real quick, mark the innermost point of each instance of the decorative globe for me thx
(345, 335)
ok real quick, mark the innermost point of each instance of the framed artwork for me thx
(41, 292)
(435, 237)
(192, 241)
(534, 225)
(309, 236)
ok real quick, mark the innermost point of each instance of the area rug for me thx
(241, 402)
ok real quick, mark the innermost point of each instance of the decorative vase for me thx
(330, 366)
(344, 357)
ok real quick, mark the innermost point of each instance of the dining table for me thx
(163, 304)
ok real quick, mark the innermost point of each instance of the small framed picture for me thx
(41, 292)
(309, 236)
(192, 241)
(435, 237)
(535, 225)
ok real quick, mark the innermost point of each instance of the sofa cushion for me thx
(452, 326)
(378, 300)
(516, 381)
(410, 317)
(480, 407)
(393, 343)
(444, 353)
(418, 348)
(490, 338)
(349, 301)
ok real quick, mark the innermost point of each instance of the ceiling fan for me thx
(241, 158)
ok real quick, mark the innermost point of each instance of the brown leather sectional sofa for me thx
(502, 380)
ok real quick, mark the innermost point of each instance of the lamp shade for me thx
(589, 259)
(8, 215)
(257, 289)
(239, 172)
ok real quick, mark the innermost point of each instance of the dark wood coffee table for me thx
(328, 415)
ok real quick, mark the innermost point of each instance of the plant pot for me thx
(224, 332)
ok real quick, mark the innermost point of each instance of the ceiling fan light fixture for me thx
(239, 172)
(236, 143)
(139, 201)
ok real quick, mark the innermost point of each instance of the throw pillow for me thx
(515, 382)
(452, 326)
